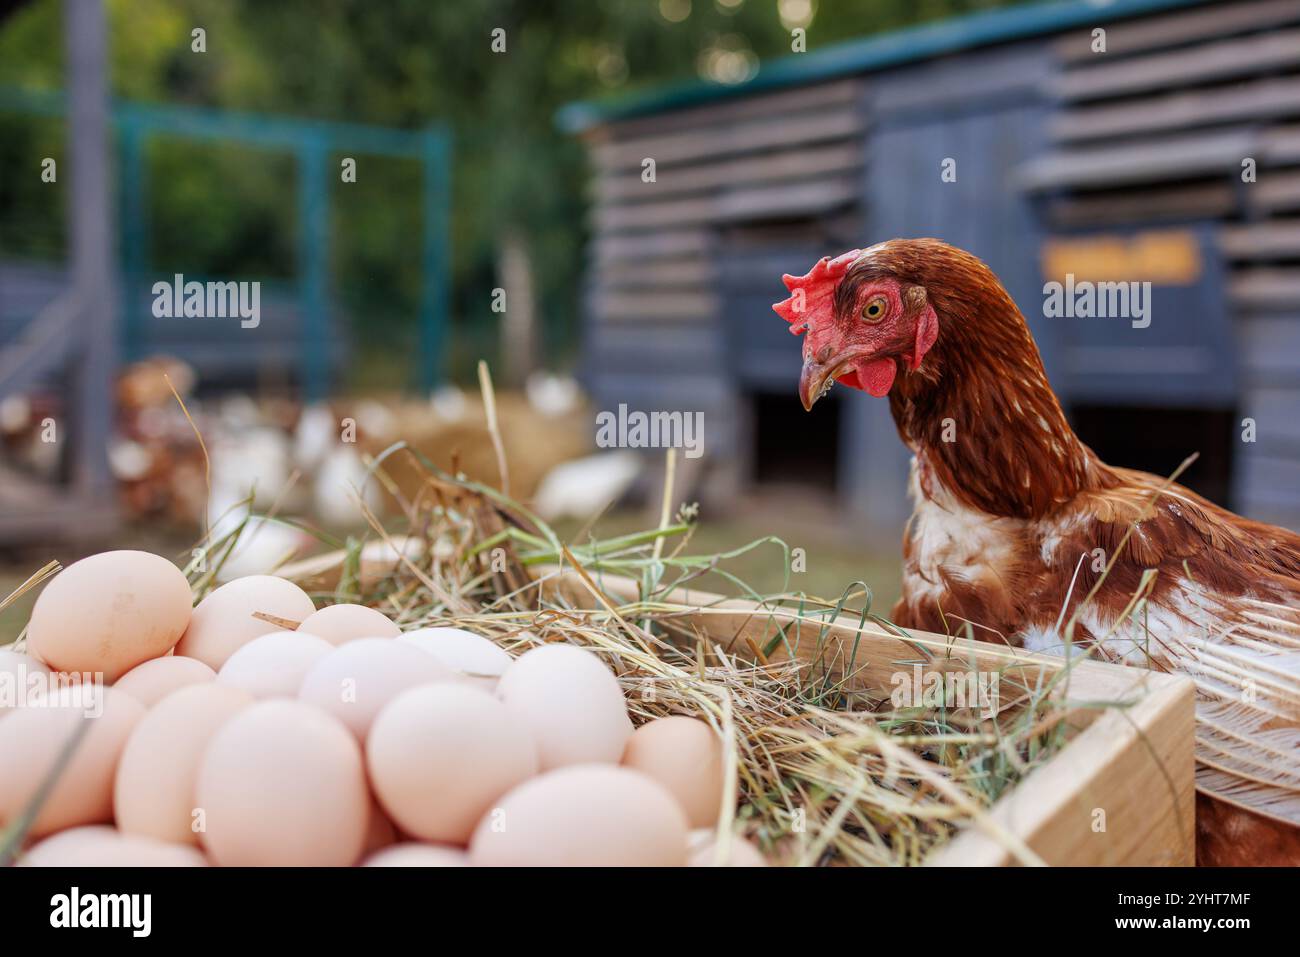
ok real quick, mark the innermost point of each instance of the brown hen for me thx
(1021, 531)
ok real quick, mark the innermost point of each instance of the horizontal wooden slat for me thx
(1264, 99)
(1206, 63)
(996, 75)
(817, 96)
(1263, 288)
(1168, 159)
(656, 274)
(607, 305)
(1280, 145)
(800, 163)
(731, 140)
(1155, 33)
(682, 347)
(1208, 200)
(1275, 191)
(1277, 426)
(1269, 487)
(1270, 240)
(1270, 356)
(796, 199)
(639, 248)
(705, 390)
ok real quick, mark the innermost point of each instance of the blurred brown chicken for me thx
(1020, 530)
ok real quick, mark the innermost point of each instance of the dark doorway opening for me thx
(1158, 440)
(792, 447)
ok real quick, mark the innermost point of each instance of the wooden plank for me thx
(1260, 100)
(1262, 288)
(1274, 191)
(1273, 407)
(794, 199)
(633, 347)
(1054, 810)
(818, 96)
(1207, 200)
(793, 164)
(1270, 484)
(1280, 145)
(1136, 763)
(1175, 29)
(43, 345)
(1224, 60)
(657, 274)
(992, 76)
(1270, 354)
(772, 132)
(652, 305)
(646, 246)
(1279, 239)
(1169, 159)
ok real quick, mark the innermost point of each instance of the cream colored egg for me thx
(583, 816)
(703, 849)
(342, 623)
(440, 755)
(109, 612)
(154, 680)
(224, 622)
(22, 678)
(480, 660)
(33, 739)
(153, 792)
(273, 665)
(380, 832)
(571, 703)
(102, 846)
(283, 784)
(685, 756)
(354, 681)
(418, 855)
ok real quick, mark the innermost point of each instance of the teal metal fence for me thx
(311, 143)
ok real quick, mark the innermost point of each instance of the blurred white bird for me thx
(552, 394)
(316, 433)
(449, 403)
(342, 476)
(585, 486)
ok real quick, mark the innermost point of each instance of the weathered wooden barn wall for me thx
(1156, 132)
(790, 163)
(984, 111)
(1053, 141)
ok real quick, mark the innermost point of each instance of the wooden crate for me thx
(1134, 763)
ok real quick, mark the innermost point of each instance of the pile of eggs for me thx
(217, 735)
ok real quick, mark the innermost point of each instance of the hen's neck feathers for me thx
(979, 412)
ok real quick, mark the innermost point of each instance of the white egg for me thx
(571, 703)
(479, 659)
(274, 665)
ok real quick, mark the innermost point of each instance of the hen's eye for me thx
(874, 310)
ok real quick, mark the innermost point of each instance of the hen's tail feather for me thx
(1244, 656)
(1268, 800)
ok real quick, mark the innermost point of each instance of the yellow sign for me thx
(1164, 257)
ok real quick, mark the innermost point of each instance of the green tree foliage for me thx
(401, 63)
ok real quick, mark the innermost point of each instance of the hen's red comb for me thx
(813, 294)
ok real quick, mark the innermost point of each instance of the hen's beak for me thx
(814, 382)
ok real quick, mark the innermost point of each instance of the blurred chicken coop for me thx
(1133, 141)
(84, 253)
